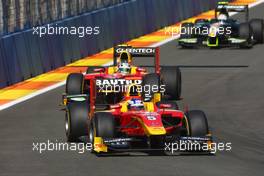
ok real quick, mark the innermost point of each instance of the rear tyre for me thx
(195, 122)
(257, 26)
(152, 81)
(74, 84)
(171, 78)
(245, 32)
(76, 121)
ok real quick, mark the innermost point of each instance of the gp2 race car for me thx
(222, 31)
(124, 72)
(108, 118)
(134, 125)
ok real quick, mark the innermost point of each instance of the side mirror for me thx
(99, 69)
(117, 106)
(141, 70)
(164, 106)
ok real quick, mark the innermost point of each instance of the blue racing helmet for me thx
(135, 104)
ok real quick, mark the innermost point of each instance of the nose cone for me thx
(153, 125)
(155, 131)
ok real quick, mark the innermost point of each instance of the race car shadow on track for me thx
(144, 154)
(213, 66)
(215, 48)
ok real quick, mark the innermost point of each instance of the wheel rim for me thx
(91, 134)
(186, 124)
(91, 137)
(67, 125)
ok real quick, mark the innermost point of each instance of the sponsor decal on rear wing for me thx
(233, 8)
(153, 52)
(135, 51)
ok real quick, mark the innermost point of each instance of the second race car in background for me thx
(223, 31)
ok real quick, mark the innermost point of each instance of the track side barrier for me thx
(24, 55)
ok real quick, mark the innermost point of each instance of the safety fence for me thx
(17, 15)
(26, 54)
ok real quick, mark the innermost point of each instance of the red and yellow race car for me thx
(123, 71)
(137, 123)
(153, 126)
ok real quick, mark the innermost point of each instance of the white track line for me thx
(47, 89)
(34, 94)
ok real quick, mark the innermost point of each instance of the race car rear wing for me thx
(232, 8)
(139, 52)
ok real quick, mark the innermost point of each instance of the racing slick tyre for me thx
(257, 26)
(151, 80)
(102, 125)
(76, 121)
(171, 78)
(91, 69)
(74, 84)
(186, 32)
(245, 32)
(196, 124)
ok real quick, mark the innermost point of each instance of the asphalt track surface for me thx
(232, 97)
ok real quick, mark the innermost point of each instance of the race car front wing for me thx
(191, 144)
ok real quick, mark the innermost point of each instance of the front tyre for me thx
(257, 26)
(102, 125)
(186, 33)
(196, 124)
(187, 30)
(76, 121)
